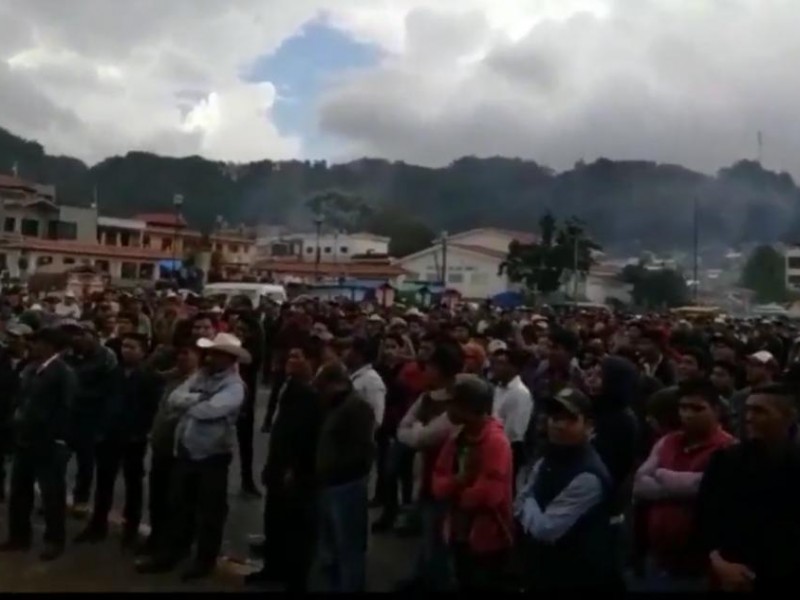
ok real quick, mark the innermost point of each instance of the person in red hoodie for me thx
(668, 483)
(473, 475)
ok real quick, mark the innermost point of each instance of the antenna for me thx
(760, 139)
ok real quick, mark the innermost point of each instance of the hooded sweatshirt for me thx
(616, 429)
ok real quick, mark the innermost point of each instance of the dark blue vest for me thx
(585, 556)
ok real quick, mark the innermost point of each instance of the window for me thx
(124, 239)
(166, 244)
(455, 278)
(146, 241)
(432, 277)
(68, 261)
(794, 280)
(10, 225)
(146, 271)
(30, 227)
(794, 262)
(218, 247)
(111, 238)
(66, 230)
(309, 250)
(233, 248)
(327, 250)
(43, 261)
(129, 270)
(480, 278)
(102, 265)
(412, 276)
(344, 250)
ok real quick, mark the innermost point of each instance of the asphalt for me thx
(105, 568)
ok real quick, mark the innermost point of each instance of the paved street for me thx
(104, 568)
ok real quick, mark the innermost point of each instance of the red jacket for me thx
(670, 522)
(482, 499)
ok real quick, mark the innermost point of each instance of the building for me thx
(275, 244)
(473, 262)
(792, 254)
(40, 234)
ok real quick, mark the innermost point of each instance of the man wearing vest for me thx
(564, 508)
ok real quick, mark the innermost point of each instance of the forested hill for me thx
(631, 204)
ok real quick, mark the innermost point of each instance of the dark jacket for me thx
(293, 441)
(748, 512)
(346, 448)
(44, 400)
(9, 388)
(131, 405)
(616, 429)
(94, 373)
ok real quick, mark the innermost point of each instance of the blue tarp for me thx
(508, 300)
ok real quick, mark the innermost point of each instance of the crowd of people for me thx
(524, 450)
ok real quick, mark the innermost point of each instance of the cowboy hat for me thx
(227, 343)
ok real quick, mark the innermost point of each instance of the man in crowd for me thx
(473, 475)
(667, 484)
(359, 358)
(204, 447)
(749, 496)
(13, 360)
(46, 391)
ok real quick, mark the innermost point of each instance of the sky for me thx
(423, 81)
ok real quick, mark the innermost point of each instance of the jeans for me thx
(399, 473)
(343, 511)
(83, 446)
(244, 437)
(433, 562)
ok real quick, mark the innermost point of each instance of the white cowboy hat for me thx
(227, 343)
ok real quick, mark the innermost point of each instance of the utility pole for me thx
(575, 241)
(696, 251)
(177, 202)
(318, 222)
(444, 259)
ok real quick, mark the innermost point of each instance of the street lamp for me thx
(318, 221)
(177, 203)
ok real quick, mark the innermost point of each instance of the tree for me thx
(339, 210)
(765, 274)
(657, 288)
(407, 234)
(540, 266)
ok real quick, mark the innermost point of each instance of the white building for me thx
(333, 247)
(792, 254)
(473, 262)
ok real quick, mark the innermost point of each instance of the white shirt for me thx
(370, 386)
(513, 407)
(70, 311)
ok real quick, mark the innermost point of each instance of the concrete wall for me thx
(472, 275)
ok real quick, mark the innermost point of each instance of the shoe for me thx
(263, 577)
(152, 566)
(92, 535)
(197, 571)
(51, 552)
(384, 524)
(15, 546)
(80, 510)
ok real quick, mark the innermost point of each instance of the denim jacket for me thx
(208, 428)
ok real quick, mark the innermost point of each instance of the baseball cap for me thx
(19, 330)
(762, 357)
(473, 391)
(573, 401)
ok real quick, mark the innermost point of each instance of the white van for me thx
(254, 291)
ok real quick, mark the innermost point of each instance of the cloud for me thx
(676, 81)
(689, 81)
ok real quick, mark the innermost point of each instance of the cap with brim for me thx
(496, 346)
(762, 357)
(573, 401)
(228, 344)
(376, 319)
(19, 330)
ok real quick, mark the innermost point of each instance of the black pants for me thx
(161, 470)
(289, 534)
(83, 447)
(46, 466)
(278, 379)
(244, 437)
(399, 478)
(198, 503)
(479, 572)
(112, 456)
(383, 442)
